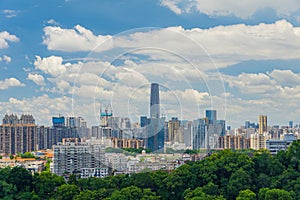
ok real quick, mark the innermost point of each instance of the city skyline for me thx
(71, 58)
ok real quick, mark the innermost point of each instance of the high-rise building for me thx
(199, 134)
(155, 125)
(263, 124)
(211, 115)
(72, 156)
(154, 101)
(173, 130)
(18, 135)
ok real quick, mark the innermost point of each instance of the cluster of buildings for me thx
(78, 149)
(260, 136)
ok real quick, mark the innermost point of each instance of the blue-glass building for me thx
(212, 116)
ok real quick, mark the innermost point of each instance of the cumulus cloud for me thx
(42, 107)
(265, 84)
(52, 65)
(225, 45)
(5, 59)
(69, 40)
(244, 9)
(37, 79)
(10, 82)
(6, 37)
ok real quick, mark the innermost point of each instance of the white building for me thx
(274, 146)
(71, 156)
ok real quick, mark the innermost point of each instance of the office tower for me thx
(155, 125)
(18, 135)
(263, 124)
(199, 134)
(291, 124)
(155, 139)
(154, 101)
(222, 126)
(211, 115)
(73, 157)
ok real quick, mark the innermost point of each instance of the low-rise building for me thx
(274, 146)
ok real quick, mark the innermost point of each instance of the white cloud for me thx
(42, 107)
(10, 82)
(244, 9)
(225, 45)
(52, 22)
(10, 13)
(278, 84)
(77, 39)
(6, 37)
(5, 59)
(285, 77)
(172, 5)
(52, 65)
(37, 79)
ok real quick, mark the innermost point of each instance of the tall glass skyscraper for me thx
(155, 125)
(212, 116)
(154, 101)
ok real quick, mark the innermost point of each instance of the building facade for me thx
(18, 135)
(263, 124)
(71, 156)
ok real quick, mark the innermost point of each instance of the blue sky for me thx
(71, 57)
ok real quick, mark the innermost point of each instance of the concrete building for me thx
(71, 156)
(18, 135)
(258, 141)
(274, 146)
(263, 124)
(233, 142)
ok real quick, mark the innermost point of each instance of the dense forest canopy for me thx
(241, 175)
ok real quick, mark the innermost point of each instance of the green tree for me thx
(21, 178)
(67, 192)
(239, 180)
(45, 184)
(129, 193)
(262, 193)
(86, 195)
(278, 195)
(7, 189)
(211, 189)
(293, 155)
(26, 196)
(198, 194)
(246, 195)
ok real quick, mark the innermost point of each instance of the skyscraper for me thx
(155, 125)
(263, 124)
(154, 101)
(211, 115)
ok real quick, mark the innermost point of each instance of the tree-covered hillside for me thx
(242, 175)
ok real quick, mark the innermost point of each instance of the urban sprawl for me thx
(118, 146)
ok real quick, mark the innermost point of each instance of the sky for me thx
(74, 57)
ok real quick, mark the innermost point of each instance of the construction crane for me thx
(105, 114)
